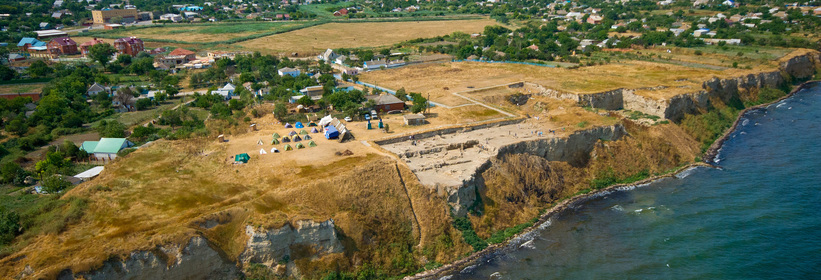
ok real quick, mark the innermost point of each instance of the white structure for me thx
(171, 17)
(293, 72)
(226, 91)
(89, 174)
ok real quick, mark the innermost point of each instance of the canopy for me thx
(274, 141)
(325, 120)
(262, 152)
(331, 132)
(300, 146)
(276, 135)
(286, 139)
(303, 132)
(242, 158)
(287, 147)
(296, 138)
(288, 125)
(311, 144)
(299, 125)
(313, 130)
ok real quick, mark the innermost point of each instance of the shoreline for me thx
(471, 261)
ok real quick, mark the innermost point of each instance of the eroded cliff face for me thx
(270, 246)
(575, 150)
(195, 260)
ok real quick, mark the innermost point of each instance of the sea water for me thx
(758, 216)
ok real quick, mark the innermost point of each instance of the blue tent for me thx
(299, 125)
(331, 132)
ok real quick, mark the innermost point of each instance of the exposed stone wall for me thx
(444, 131)
(195, 260)
(270, 246)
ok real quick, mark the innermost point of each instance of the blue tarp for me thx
(299, 125)
(331, 132)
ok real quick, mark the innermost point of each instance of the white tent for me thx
(274, 150)
(325, 120)
(262, 151)
(259, 142)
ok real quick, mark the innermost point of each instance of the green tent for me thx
(306, 137)
(242, 158)
(311, 144)
(303, 132)
(274, 141)
(276, 135)
(300, 146)
(287, 147)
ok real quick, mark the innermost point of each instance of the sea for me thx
(756, 216)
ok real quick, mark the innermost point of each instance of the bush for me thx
(698, 52)
(9, 226)
(143, 103)
(55, 184)
(468, 234)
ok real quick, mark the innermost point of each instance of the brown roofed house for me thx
(130, 46)
(62, 45)
(84, 47)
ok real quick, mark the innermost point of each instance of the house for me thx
(700, 32)
(341, 59)
(293, 72)
(312, 91)
(130, 46)
(44, 25)
(190, 14)
(387, 102)
(95, 89)
(533, 47)
(16, 57)
(84, 47)
(817, 11)
(57, 15)
(183, 54)
(106, 148)
(226, 91)
(414, 119)
(328, 56)
(29, 42)
(171, 17)
(62, 45)
(105, 15)
(594, 19)
(374, 64)
(341, 12)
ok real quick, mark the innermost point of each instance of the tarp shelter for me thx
(292, 133)
(242, 158)
(287, 147)
(299, 125)
(312, 124)
(288, 125)
(274, 150)
(331, 132)
(306, 137)
(276, 135)
(300, 146)
(303, 132)
(286, 139)
(313, 130)
(259, 142)
(311, 144)
(262, 152)
(274, 141)
(325, 120)
(296, 138)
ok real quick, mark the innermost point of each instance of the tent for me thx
(299, 125)
(287, 147)
(276, 135)
(312, 124)
(325, 120)
(292, 133)
(331, 132)
(300, 146)
(274, 141)
(296, 138)
(274, 150)
(303, 132)
(313, 130)
(286, 139)
(288, 125)
(262, 152)
(306, 137)
(311, 144)
(242, 158)
(259, 142)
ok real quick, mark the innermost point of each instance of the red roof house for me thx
(341, 12)
(62, 45)
(130, 46)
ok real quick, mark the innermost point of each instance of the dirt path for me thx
(410, 202)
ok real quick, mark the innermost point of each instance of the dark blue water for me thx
(758, 217)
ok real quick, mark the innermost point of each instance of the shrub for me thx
(468, 234)
(55, 184)
(698, 52)
(9, 226)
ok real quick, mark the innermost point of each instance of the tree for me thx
(420, 103)
(280, 111)
(124, 59)
(103, 99)
(101, 53)
(39, 69)
(55, 184)
(124, 97)
(402, 94)
(9, 226)
(7, 73)
(17, 127)
(143, 103)
(305, 101)
(9, 171)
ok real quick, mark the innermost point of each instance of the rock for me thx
(270, 246)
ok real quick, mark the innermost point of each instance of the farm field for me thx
(22, 88)
(202, 33)
(314, 40)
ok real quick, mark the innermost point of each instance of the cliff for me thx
(270, 246)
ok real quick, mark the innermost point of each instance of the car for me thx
(347, 119)
(367, 117)
(373, 114)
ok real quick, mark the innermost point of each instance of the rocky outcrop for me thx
(195, 260)
(609, 100)
(575, 150)
(270, 246)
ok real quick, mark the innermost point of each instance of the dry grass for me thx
(148, 45)
(202, 33)
(316, 39)
(22, 88)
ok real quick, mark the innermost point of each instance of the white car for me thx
(347, 119)
(367, 117)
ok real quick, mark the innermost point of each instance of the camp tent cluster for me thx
(291, 137)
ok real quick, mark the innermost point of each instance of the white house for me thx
(293, 72)
(226, 91)
(171, 17)
(328, 56)
(95, 89)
